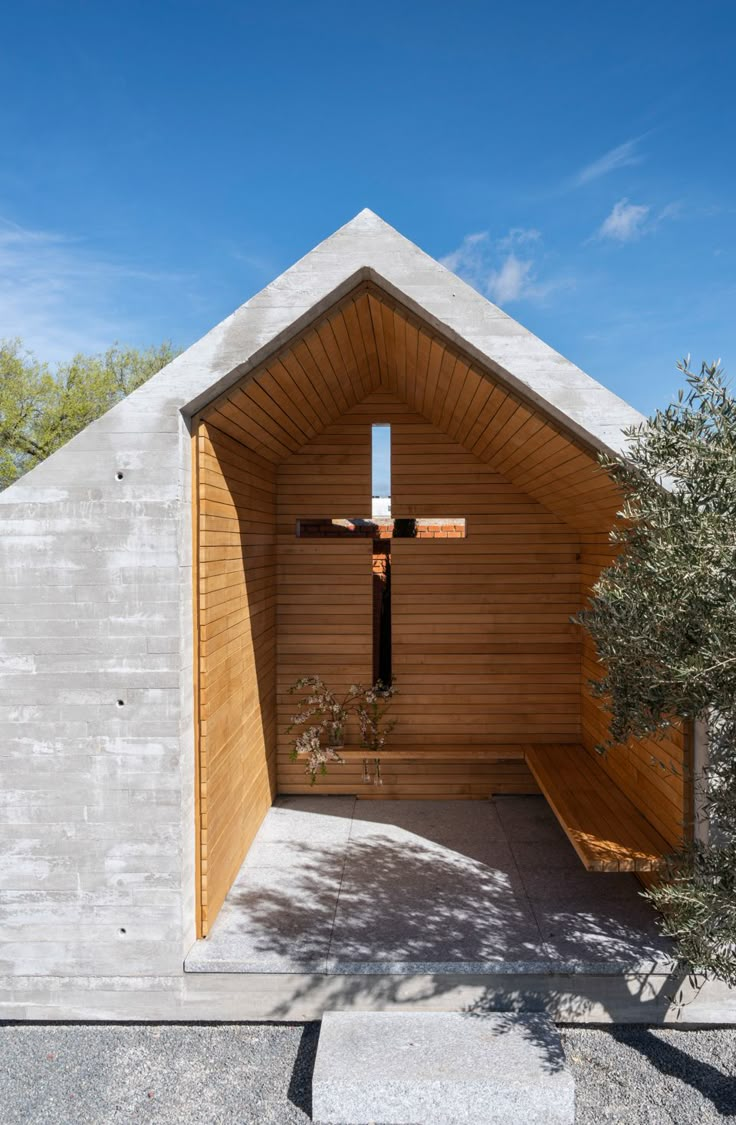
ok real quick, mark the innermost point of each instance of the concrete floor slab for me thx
(548, 856)
(308, 820)
(529, 819)
(417, 886)
(618, 932)
(577, 884)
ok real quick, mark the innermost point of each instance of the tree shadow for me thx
(410, 889)
(537, 1029)
(711, 1083)
(425, 908)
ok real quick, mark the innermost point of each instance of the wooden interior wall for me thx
(301, 414)
(325, 587)
(484, 652)
(653, 772)
(237, 651)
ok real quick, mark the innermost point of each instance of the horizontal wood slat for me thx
(448, 754)
(446, 600)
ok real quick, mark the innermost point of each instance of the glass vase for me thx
(336, 735)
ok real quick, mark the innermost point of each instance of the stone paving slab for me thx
(332, 881)
(440, 1068)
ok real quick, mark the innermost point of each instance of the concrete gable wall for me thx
(96, 837)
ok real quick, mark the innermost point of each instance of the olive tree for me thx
(663, 618)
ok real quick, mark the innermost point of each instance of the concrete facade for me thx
(96, 726)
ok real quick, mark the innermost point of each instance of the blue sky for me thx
(162, 161)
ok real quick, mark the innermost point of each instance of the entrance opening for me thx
(370, 412)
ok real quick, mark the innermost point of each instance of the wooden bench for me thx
(423, 753)
(606, 829)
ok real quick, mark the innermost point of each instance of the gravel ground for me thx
(170, 1074)
(202, 1074)
(652, 1076)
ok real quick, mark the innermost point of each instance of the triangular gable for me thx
(367, 249)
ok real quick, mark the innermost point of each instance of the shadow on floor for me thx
(711, 1083)
(385, 904)
(423, 883)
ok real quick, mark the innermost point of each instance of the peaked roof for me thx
(368, 348)
(367, 249)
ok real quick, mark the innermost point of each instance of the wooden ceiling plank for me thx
(377, 322)
(543, 444)
(448, 366)
(387, 321)
(439, 356)
(415, 391)
(474, 394)
(363, 313)
(344, 368)
(412, 337)
(354, 330)
(459, 391)
(350, 351)
(340, 388)
(246, 437)
(551, 459)
(510, 417)
(527, 439)
(284, 413)
(487, 401)
(299, 363)
(399, 359)
(436, 355)
(285, 389)
(248, 414)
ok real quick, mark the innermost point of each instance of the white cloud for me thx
(468, 258)
(505, 270)
(620, 157)
(511, 281)
(519, 236)
(625, 223)
(670, 211)
(60, 297)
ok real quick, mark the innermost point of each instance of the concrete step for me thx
(440, 1068)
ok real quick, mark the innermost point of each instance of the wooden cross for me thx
(381, 530)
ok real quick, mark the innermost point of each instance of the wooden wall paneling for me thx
(483, 647)
(236, 632)
(199, 825)
(325, 587)
(493, 631)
